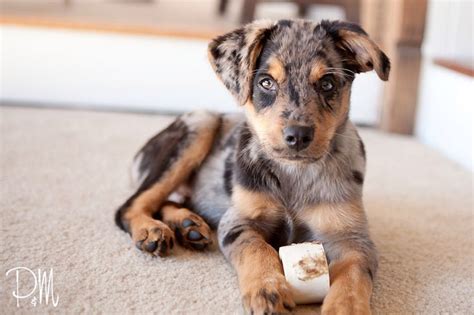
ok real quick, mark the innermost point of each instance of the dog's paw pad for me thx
(187, 223)
(194, 235)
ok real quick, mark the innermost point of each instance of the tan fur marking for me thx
(344, 268)
(267, 125)
(328, 218)
(258, 258)
(172, 213)
(253, 205)
(145, 223)
(276, 69)
(351, 286)
(318, 70)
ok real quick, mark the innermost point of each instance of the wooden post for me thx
(223, 4)
(399, 28)
(248, 11)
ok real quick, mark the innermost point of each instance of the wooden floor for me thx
(185, 18)
(181, 18)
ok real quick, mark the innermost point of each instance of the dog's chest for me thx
(304, 186)
(296, 190)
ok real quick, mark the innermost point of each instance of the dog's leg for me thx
(166, 161)
(342, 227)
(351, 282)
(243, 233)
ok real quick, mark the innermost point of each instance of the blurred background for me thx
(150, 56)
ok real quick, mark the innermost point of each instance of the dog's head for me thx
(294, 80)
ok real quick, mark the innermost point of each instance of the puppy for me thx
(291, 170)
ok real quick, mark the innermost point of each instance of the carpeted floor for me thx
(63, 173)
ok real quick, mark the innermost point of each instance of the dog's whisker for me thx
(339, 68)
(347, 137)
(338, 71)
(342, 69)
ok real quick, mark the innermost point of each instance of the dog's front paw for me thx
(269, 294)
(190, 229)
(340, 301)
(192, 232)
(153, 236)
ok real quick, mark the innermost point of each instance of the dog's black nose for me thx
(298, 137)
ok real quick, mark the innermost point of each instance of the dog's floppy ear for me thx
(361, 54)
(233, 56)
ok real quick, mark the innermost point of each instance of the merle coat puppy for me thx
(290, 170)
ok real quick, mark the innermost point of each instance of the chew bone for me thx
(306, 270)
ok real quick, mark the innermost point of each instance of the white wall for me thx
(445, 113)
(446, 98)
(449, 29)
(107, 70)
(104, 70)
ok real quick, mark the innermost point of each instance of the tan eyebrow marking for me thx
(276, 69)
(318, 69)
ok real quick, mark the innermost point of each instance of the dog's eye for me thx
(267, 84)
(326, 85)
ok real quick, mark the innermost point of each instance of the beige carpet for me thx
(63, 173)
